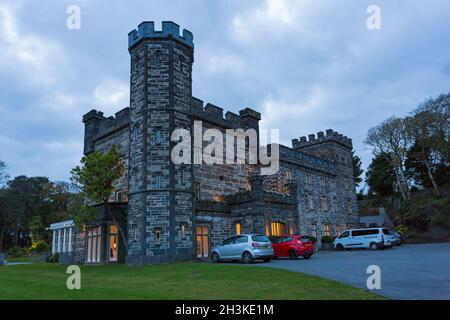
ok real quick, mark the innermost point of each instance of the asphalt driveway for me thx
(419, 271)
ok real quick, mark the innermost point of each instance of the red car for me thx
(292, 246)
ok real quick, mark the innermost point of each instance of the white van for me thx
(372, 238)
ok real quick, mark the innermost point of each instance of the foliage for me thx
(313, 239)
(17, 252)
(54, 258)
(95, 178)
(327, 239)
(402, 229)
(380, 176)
(40, 247)
(357, 171)
(3, 175)
(36, 227)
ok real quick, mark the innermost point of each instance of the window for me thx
(238, 228)
(158, 236)
(322, 181)
(349, 206)
(113, 243)
(183, 230)
(158, 182)
(260, 239)
(326, 230)
(335, 204)
(277, 228)
(158, 137)
(346, 184)
(288, 175)
(314, 231)
(267, 230)
(310, 202)
(309, 178)
(346, 234)
(324, 203)
(203, 241)
(118, 196)
(94, 240)
(197, 190)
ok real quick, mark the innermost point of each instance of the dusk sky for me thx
(306, 65)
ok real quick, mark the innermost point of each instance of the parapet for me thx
(328, 136)
(213, 113)
(146, 30)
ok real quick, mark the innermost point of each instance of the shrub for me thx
(17, 252)
(327, 239)
(313, 239)
(53, 258)
(42, 246)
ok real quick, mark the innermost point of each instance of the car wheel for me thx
(215, 257)
(339, 247)
(373, 246)
(247, 257)
(267, 260)
(292, 255)
(306, 256)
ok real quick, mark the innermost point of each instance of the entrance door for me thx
(202, 233)
(113, 243)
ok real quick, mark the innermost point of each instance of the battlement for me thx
(214, 113)
(328, 136)
(146, 30)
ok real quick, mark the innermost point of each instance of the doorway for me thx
(202, 236)
(113, 243)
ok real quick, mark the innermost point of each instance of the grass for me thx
(22, 259)
(170, 281)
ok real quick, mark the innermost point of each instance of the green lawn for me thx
(170, 281)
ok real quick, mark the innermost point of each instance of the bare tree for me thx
(390, 138)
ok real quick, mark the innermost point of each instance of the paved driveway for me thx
(408, 272)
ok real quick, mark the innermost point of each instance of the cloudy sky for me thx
(306, 65)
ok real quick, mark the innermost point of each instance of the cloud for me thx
(35, 59)
(111, 94)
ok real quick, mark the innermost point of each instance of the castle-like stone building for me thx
(173, 212)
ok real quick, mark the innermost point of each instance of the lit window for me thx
(277, 228)
(238, 228)
(267, 230)
(288, 175)
(183, 230)
(326, 230)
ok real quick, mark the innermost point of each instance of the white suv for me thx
(371, 238)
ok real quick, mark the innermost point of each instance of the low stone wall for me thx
(66, 258)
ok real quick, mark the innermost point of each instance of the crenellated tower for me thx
(160, 205)
(337, 148)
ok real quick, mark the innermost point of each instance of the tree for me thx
(380, 176)
(390, 139)
(3, 175)
(95, 178)
(36, 227)
(357, 171)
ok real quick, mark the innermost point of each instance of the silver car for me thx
(245, 247)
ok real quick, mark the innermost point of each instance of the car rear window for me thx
(259, 238)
